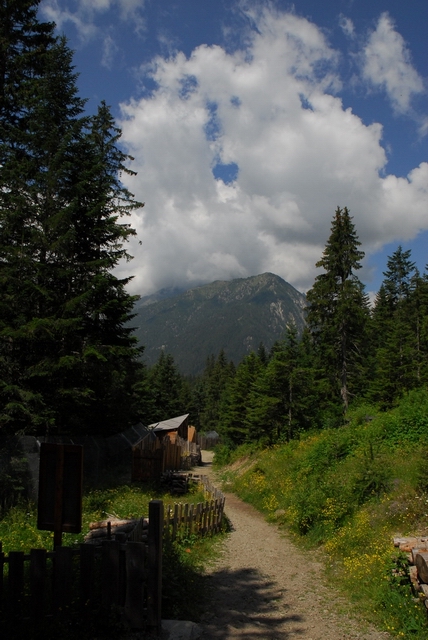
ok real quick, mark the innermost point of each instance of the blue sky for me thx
(250, 122)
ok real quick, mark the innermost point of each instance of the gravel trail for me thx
(265, 588)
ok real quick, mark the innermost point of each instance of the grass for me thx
(348, 491)
(184, 560)
(18, 527)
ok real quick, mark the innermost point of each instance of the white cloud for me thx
(387, 64)
(85, 13)
(271, 109)
(347, 26)
(54, 12)
(110, 50)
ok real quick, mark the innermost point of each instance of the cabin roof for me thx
(172, 424)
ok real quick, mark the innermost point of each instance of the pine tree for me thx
(233, 416)
(168, 398)
(68, 360)
(282, 402)
(338, 310)
(396, 331)
(217, 373)
(398, 277)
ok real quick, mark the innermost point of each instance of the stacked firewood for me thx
(417, 550)
(175, 482)
(113, 528)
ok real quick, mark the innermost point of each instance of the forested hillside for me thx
(235, 315)
(350, 352)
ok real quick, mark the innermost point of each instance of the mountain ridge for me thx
(233, 315)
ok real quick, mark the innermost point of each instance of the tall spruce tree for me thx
(396, 319)
(233, 416)
(208, 393)
(68, 362)
(282, 402)
(169, 392)
(338, 311)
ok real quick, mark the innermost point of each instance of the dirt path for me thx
(264, 588)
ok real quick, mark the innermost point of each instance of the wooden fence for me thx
(151, 458)
(196, 519)
(124, 573)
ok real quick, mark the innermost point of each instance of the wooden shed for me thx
(173, 428)
(166, 448)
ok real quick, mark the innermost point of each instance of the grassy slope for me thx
(349, 491)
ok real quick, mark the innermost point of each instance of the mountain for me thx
(235, 315)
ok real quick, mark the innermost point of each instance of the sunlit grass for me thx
(349, 491)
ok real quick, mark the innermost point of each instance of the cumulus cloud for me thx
(271, 112)
(387, 64)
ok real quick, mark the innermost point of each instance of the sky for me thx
(249, 123)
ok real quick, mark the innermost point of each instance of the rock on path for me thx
(264, 588)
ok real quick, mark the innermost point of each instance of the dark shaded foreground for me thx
(244, 604)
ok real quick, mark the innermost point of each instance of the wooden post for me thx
(38, 582)
(16, 581)
(63, 568)
(135, 569)
(87, 566)
(154, 583)
(59, 477)
(191, 519)
(186, 518)
(110, 572)
(175, 523)
(1, 571)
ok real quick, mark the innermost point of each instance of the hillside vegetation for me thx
(348, 491)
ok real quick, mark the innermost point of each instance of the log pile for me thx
(114, 528)
(417, 550)
(175, 482)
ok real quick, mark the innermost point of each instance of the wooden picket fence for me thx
(196, 519)
(124, 572)
(118, 572)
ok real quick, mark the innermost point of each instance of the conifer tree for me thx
(338, 310)
(233, 418)
(396, 331)
(282, 402)
(168, 391)
(69, 363)
(209, 392)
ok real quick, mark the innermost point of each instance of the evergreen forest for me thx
(69, 361)
(351, 353)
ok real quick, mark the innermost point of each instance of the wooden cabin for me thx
(172, 428)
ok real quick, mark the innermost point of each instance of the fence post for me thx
(110, 572)
(87, 567)
(1, 571)
(38, 582)
(135, 569)
(16, 581)
(154, 590)
(63, 567)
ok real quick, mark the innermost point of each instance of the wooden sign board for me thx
(60, 488)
